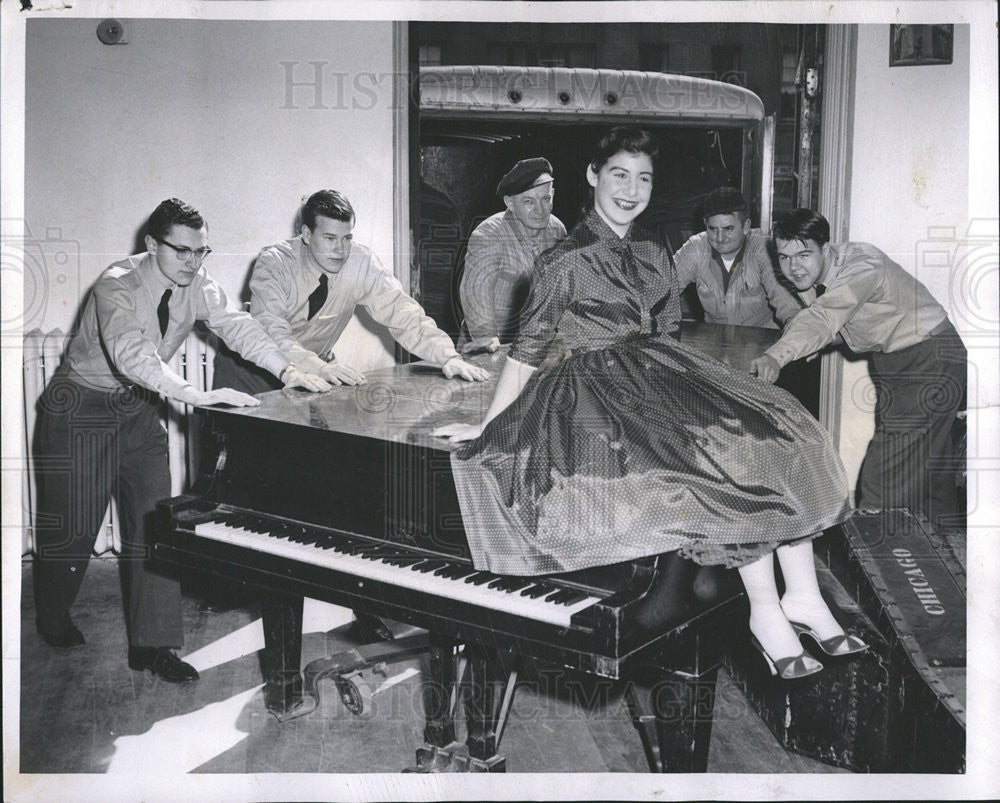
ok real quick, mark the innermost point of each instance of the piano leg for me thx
(674, 718)
(485, 709)
(281, 657)
(440, 729)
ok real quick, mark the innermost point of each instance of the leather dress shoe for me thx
(162, 662)
(67, 637)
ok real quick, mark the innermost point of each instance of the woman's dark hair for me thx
(802, 224)
(623, 138)
(326, 203)
(173, 212)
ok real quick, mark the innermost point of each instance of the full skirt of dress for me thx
(642, 447)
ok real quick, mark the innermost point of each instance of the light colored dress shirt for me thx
(284, 277)
(118, 342)
(753, 288)
(869, 299)
(498, 267)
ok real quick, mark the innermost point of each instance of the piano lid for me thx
(405, 403)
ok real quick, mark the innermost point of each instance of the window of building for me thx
(726, 64)
(654, 57)
(567, 55)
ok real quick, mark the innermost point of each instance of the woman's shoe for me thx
(835, 646)
(791, 668)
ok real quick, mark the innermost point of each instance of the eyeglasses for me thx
(184, 253)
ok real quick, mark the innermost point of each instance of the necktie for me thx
(630, 268)
(317, 298)
(163, 311)
(820, 289)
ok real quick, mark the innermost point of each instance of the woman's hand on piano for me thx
(456, 366)
(456, 433)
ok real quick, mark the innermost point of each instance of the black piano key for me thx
(557, 597)
(508, 584)
(538, 590)
(574, 597)
(454, 571)
(402, 561)
(480, 578)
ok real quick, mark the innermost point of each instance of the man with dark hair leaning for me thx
(917, 361)
(732, 268)
(303, 292)
(99, 430)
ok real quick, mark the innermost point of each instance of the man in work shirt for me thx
(99, 429)
(917, 361)
(303, 291)
(501, 254)
(731, 267)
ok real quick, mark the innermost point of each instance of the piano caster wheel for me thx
(356, 695)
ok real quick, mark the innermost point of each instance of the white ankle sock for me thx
(772, 630)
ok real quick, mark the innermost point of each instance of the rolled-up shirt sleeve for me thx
(483, 264)
(238, 329)
(384, 299)
(131, 351)
(818, 324)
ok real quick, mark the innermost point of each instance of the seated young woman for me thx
(634, 444)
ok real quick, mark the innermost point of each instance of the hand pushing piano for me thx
(346, 497)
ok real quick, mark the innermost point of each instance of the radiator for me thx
(42, 354)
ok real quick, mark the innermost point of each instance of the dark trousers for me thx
(230, 370)
(89, 445)
(912, 461)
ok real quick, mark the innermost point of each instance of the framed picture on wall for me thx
(914, 45)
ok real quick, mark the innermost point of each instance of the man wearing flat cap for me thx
(732, 268)
(501, 254)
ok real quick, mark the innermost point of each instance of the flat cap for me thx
(525, 175)
(724, 201)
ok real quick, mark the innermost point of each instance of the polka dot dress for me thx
(628, 443)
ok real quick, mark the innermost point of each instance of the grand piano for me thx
(346, 497)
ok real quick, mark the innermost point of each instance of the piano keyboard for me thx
(522, 596)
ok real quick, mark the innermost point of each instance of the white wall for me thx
(909, 187)
(205, 111)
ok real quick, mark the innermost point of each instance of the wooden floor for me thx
(84, 711)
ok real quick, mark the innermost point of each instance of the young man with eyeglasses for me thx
(917, 361)
(99, 430)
